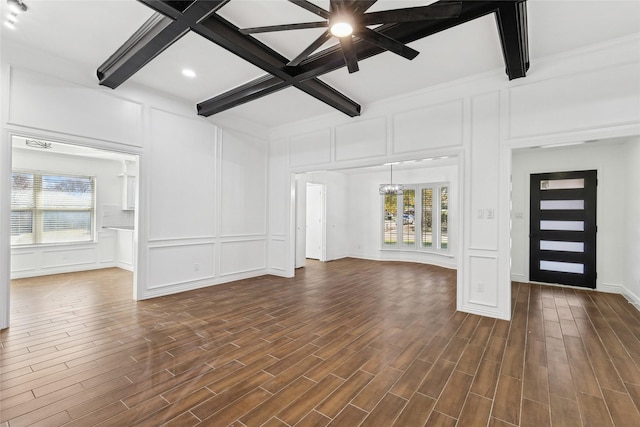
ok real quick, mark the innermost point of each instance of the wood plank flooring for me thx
(345, 343)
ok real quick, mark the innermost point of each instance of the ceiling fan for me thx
(347, 19)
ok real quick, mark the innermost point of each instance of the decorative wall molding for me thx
(361, 139)
(482, 282)
(243, 256)
(535, 107)
(430, 127)
(313, 148)
(70, 108)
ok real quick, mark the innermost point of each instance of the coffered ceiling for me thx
(89, 32)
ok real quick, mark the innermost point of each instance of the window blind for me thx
(47, 208)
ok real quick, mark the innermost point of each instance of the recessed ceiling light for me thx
(187, 72)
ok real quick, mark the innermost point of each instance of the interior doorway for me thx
(310, 211)
(73, 208)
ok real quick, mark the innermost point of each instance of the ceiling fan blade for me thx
(283, 27)
(349, 53)
(338, 6)
(362, 6)
(311, 8)
(440, 10)
(310, 49)
(387, 43)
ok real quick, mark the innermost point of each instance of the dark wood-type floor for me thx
(346, 343)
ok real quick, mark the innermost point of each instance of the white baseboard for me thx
(611, 289)
(632, 298)
(622, 290)
(61, 270)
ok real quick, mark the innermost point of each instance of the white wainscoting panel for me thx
(52, 258)
(310, 149)
(23, 261)
(483, 280)
(485, 155)
(434, 126)
(242, 256)
(278, 254)
(179, 263)
(362, 139)
(45, 102)
(243, 200)
(591, 100)
(182, 177)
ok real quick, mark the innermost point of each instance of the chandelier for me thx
(391, 188)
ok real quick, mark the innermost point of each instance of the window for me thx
(51, 208)
(423, 220)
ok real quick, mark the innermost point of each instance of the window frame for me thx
(436, 220)
(37, 210)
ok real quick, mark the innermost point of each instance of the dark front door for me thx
(562, 239)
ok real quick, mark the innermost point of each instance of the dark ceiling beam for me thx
(155, 35)
(175, 18)
(255, 89)
(227, 36)
(329, 59)
(511, 20)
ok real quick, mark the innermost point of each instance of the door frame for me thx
(6, 163)
(299, 202)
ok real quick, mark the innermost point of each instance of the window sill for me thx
(53, 245)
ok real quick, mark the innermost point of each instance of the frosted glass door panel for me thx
(562, 225)
(567, 205)
(563, 267)
(549, 245)
(561, 184)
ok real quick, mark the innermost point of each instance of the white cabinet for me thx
(129, 186)
(125, 249)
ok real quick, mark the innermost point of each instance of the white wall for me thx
(592, 93)
(632, 222)
(201, 218)
(609, 158)
(53, 259)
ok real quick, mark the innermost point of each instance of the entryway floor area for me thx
(344, 343)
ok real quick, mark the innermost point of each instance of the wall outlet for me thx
(480, 213)
(490, 213)
(480, 287)
(196, 267)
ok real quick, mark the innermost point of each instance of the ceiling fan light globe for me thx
(341, 29)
